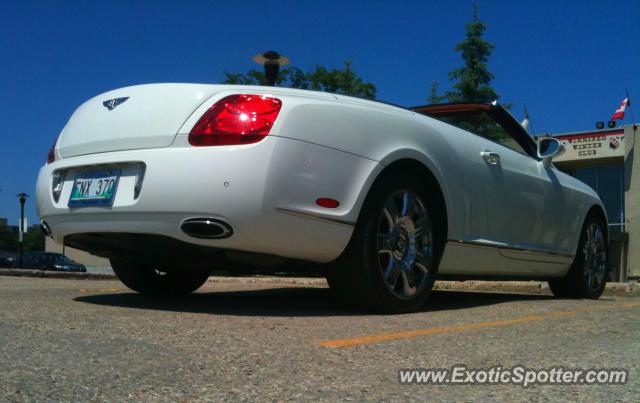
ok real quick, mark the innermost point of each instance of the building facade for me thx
(607, 161)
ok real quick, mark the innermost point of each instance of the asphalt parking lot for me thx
(78, 340)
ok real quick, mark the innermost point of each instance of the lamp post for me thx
(23, 198)
(271, 60)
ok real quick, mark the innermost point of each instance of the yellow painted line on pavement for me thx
(377, 338)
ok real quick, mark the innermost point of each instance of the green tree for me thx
(8, 240)
(34, 240)
(339, 81)
(471, 82)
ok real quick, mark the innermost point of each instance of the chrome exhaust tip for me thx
(44, 227)
(207, 228)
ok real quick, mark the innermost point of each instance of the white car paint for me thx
(321, 145)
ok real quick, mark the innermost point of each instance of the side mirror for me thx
(548, 148)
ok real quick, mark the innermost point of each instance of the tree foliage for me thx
(471, 82)
(339, 81)
(8, 240)
(33, 240)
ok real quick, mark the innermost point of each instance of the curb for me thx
(55, 274)
(270, 279)
(630, 289)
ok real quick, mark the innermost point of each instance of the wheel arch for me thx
(413, 165)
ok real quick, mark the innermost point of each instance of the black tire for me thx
(147, 278)
(357, 275)
(587, 276)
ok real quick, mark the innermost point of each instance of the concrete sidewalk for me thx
(631, 288)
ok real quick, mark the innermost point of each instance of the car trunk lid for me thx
(138, 117)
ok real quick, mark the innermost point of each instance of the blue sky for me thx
(570, 62)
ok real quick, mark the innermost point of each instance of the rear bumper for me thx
(265, 192)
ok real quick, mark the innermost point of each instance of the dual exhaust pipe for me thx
(205, 228)
(44, 227)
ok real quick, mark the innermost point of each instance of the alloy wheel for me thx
(595, 256)
(405, 244)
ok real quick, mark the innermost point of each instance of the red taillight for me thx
(236, 119)
(51, 156)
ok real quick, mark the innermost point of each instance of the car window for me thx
(63, 259)
(480, 123)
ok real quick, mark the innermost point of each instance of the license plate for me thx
(95, 188)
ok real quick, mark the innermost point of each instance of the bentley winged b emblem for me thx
(112, 103)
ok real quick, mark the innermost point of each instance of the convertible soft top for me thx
(496, 111)
(453, 107)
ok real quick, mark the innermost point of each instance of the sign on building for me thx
(584, 146)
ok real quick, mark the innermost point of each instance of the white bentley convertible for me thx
(174, 181)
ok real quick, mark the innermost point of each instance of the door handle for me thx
(491, 158)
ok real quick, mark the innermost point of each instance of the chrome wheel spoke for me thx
(590, 234)
(384, 244)
(408, 203)
(420, 225)
(391, 220)
(406, 286)
(407, 269)
(599, 276)
(422, 273)
(391, 273)
(423, 263)
(597, 234)
(391, 211)
(595, 279)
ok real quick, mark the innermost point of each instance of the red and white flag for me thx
(619, 113)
